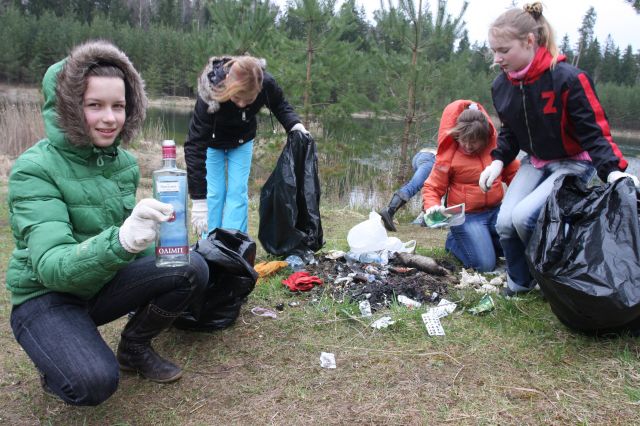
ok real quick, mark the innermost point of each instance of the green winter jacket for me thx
(67, 198)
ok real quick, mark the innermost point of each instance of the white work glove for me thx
(490, 174)
(139, 230)
(300, 128)
(614, 176)
(199, 214)
(434, 209)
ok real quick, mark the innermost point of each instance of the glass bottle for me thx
(170, 186)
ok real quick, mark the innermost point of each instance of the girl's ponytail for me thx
(545, 34)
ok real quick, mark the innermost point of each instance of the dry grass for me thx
(20, 127)
(517, 365)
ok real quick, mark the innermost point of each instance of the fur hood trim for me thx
(71, 84)
(213, 73)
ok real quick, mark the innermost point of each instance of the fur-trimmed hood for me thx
(214, 73)
(64, 84)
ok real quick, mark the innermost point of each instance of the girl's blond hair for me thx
(244, 79)
(518, 23)
(471, 125)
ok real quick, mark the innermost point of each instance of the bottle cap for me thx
(168, 149)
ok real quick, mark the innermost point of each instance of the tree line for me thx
(413, 59)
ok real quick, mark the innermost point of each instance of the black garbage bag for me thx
(290, 201)
(585, 255)
(230, 255)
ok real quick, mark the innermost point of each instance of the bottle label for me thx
(173, 237)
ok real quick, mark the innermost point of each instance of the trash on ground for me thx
(301, 281)
(479, 283)
(264, 269)
(334, 254)
(263, 312)
(408, 302)
(379, 284)
(443, 309)
(295, 262)
(369, 243)
(433, 325)
(484, 305)
(327, 360)
(365, 308)
(382, 322)
(423, 263)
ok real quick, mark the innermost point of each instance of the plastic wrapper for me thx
(451, 216)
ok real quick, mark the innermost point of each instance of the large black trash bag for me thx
(230, 255)
(585, 255)
(290, 201)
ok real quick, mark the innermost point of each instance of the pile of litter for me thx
(345, 280)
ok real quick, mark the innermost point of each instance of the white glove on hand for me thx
(199, 216)
(490, 174)
(300, 128)
(139, 230)
(433, 209)
(614, 176)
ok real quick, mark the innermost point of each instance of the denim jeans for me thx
(228, 187)
(476, 242)
(422, 164)
(58, 331)
(521, 206)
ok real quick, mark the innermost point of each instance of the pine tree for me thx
(628, 68)
(585, 34)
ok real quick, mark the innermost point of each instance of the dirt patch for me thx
(380, 285)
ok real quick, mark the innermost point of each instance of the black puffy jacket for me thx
(224, 125)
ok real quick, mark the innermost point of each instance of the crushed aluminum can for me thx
(327, 360)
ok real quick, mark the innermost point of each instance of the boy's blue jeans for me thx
(59, 331)
(521, 206)
(228, 187)
(475, 242)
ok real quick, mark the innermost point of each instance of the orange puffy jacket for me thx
(456, 173)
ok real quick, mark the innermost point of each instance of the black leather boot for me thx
(388, 212)
(135, 352)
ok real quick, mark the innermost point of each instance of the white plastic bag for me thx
(395, 245)
(368, 236)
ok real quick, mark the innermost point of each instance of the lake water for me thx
(358, 160)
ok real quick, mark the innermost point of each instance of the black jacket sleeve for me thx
(592, 127)
(277, 103)
(508, 147)
(195, 150)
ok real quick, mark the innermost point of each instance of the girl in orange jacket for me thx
(465, 140)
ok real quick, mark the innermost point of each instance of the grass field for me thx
(515, 365)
